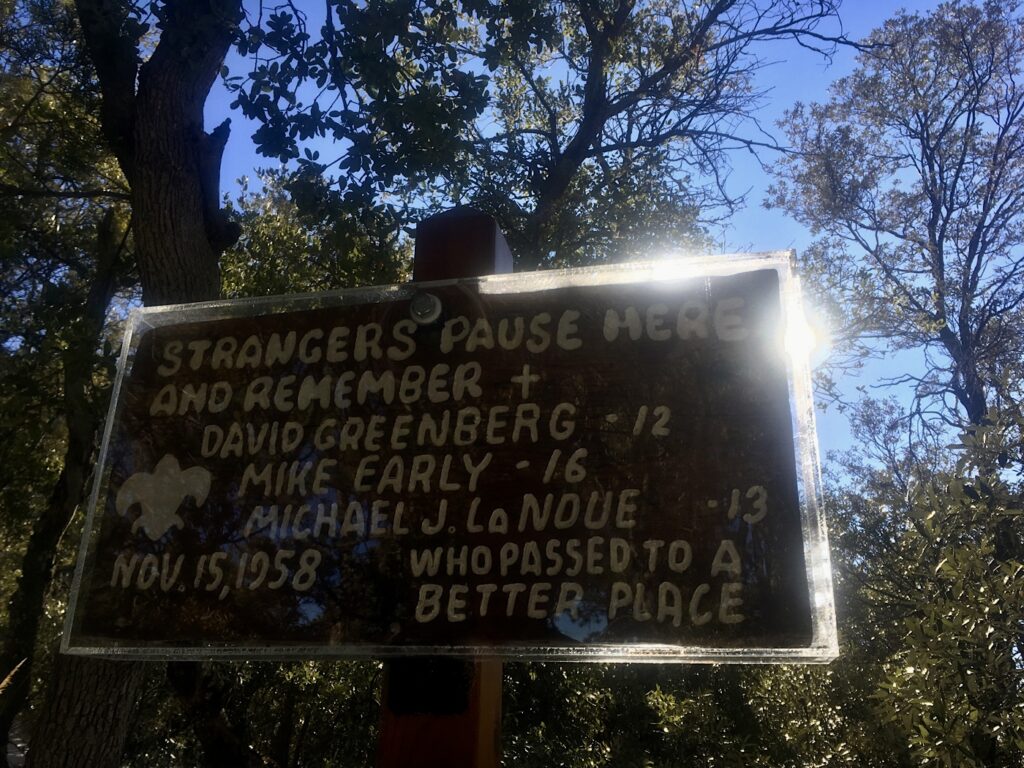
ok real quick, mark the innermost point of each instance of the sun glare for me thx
(675, 267)
(807, 335)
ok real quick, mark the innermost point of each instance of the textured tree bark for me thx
(82, 418)
(79, 730)
(152, 117)
(180, 231)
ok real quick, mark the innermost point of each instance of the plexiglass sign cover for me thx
(588, 464)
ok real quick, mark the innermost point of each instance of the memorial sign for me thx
(601, 463)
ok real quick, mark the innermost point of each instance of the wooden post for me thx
(443, 712)
(461, 242)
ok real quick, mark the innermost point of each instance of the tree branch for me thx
(112, 36)
(12, 190)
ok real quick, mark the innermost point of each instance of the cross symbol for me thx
(525, 379)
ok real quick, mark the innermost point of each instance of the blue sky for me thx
(802, 76)
(796, 74)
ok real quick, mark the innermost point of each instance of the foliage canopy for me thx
(591, 130)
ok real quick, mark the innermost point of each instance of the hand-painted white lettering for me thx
(680, 555)
(732, 599)
(428, 606)
(569, 596)
(728, 322)
(457, 602)
(653, 547)
(694, 318)
(665, 603)
(223, 353)
(656, 330)
(310, 351)
(171, 400)
(172, 356)
(538, 599)
(727, 560)
(513, 591)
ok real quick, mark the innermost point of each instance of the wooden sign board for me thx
(589, 464)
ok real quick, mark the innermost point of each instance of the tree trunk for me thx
(152, 117)
(82, 418)
(75, 730)
(180, 231)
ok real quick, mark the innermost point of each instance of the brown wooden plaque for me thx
(577, 464)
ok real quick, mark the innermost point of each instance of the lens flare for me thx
(807, 335)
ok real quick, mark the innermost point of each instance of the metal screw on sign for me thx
(425, 308)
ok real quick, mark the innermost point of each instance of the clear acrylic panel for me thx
(613, 463)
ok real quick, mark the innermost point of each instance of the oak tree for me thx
(153, 87)
(912, 175)
(589, 129)
(64, 253)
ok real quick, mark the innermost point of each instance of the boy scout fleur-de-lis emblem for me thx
(159, 493)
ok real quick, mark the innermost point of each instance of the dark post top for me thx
(461, 242)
